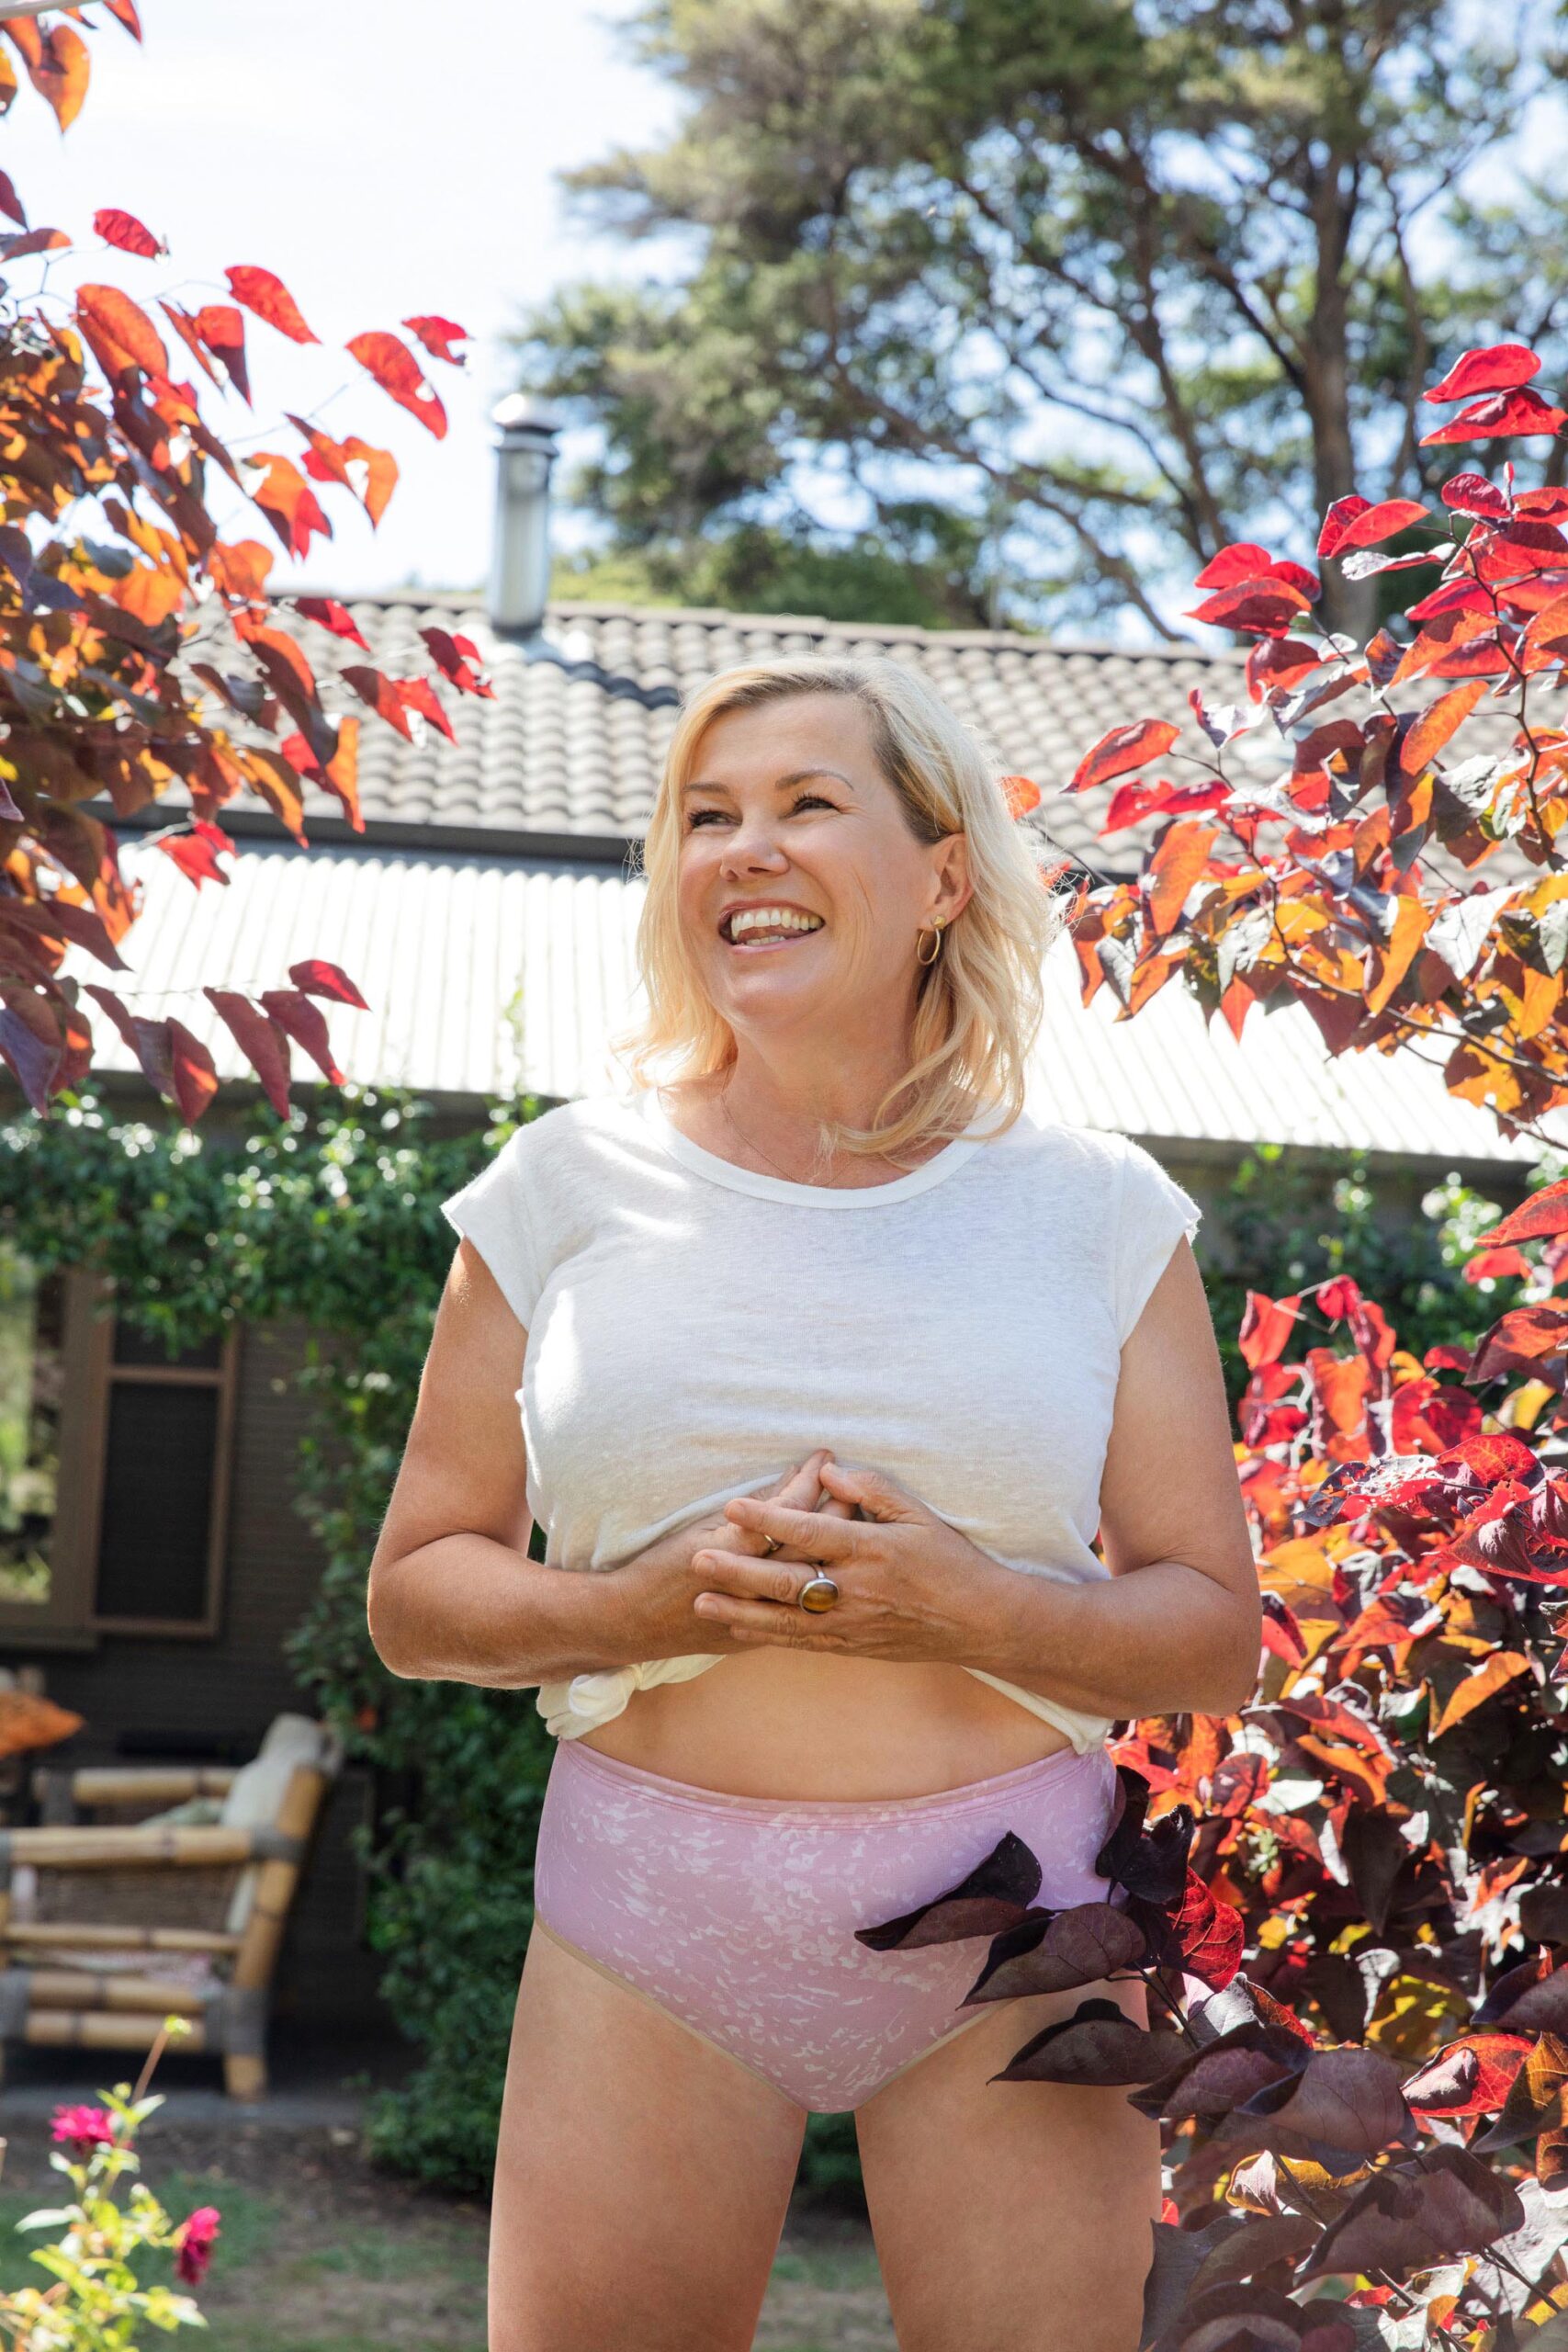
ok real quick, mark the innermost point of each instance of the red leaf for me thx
(1470, 494)
(306, 1025)
(193, 1076)
(381, 694)
(1499, 368)
(417, 694)
(1124, 749)
(439, 336)
(1210, 1934)
(10, 202)
(124, 229)
(319, 979)
(1264, 607)
(1337, 523)
(1470, 2076)
(1246, 560)
(1499, 416)
(327, 613)
(397, 371)
(455, 658)
(1371, 525)
(269, 298)
(262, 1041)
(197, 853)
(120, 330)
(222, 330)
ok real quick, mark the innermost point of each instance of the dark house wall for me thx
(210, 1700)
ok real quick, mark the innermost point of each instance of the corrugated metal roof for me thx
(487, 977)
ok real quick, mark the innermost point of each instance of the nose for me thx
(753, 847)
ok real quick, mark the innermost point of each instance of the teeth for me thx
(748, 920)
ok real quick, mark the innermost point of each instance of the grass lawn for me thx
(318, 2254)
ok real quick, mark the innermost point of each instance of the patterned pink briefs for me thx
(736, 1914)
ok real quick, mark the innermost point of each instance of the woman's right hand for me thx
(660, 1585)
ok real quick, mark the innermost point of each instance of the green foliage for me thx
(1113, 285)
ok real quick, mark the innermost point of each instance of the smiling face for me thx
(803, 888)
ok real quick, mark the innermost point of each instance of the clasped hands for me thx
(907, 1581)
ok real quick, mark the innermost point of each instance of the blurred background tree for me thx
(971, 312)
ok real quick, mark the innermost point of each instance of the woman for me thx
(837, 1361)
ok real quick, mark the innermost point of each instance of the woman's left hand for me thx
(908, 1583)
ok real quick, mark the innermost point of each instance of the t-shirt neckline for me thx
(934, 1170)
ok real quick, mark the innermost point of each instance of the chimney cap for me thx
(525, 413)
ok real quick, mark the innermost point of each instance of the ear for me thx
(954, 888)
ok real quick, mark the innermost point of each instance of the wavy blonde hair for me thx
(980, 1004)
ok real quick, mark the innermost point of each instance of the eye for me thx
(812, 800)
(703, 817)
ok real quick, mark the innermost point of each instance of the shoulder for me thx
(565, 1136)
(1035, 1148)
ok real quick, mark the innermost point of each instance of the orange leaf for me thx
(124, 229)
(1412, 918)
(279, 785)
(57, 61)
(370, 474)
(1176, 866)
(288, 502)
(239, 568)
(120, 330)
(1502, 1667)
(222, 330)
(397, 371)
(270, 299)
(1124, 749)
(1021, 795)
(1435, 726)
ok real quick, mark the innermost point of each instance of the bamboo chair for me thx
(106, 1929)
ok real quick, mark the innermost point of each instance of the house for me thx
(487, 914)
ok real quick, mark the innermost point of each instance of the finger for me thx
(877, 1497)
(778, 1580)
(759, 1620)
(811, 1534)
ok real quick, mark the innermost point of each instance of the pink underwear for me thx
(736, 1914)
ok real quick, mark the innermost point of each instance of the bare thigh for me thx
(1010, 2213)
(642, 2176)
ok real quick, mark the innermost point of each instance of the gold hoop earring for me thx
(920, 956)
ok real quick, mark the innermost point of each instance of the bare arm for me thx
(1177, 1626)
(453, 1596)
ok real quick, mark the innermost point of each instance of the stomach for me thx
(771, 1723)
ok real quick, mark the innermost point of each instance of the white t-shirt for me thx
(695, 1330)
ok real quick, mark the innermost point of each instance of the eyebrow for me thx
(781, 782)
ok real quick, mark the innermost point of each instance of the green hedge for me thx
(329, 1216)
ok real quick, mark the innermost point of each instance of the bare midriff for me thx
(771, 1723)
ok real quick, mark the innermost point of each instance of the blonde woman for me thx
(831, 1365)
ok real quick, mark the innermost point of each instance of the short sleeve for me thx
(493, 1210)
(1153, 1212)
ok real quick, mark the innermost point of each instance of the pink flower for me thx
(85, 2127)
(193, 2242)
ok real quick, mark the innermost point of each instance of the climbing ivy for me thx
(332, 1218)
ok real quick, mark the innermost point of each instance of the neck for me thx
(794, 1095)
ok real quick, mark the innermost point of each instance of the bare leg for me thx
(642, 2176)
(1012, 2214)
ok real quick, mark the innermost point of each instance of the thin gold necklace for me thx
(751, 1144)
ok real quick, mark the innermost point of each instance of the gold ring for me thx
(770, 1545)
(817, 1593)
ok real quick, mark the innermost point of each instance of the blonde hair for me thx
(980, 1003)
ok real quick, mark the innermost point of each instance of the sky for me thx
(385, 159)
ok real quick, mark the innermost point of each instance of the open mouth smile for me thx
(767, 926)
